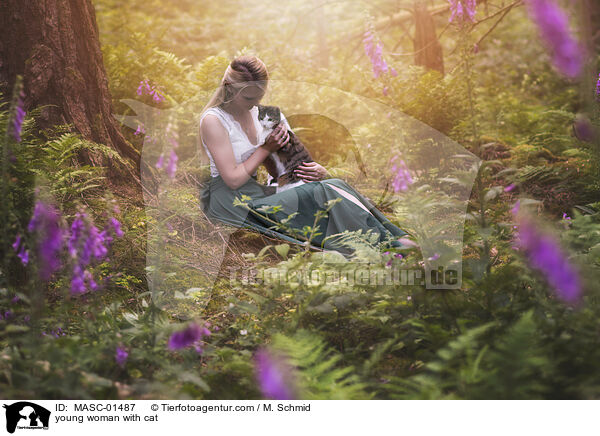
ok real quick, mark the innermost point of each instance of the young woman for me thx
(229, 131)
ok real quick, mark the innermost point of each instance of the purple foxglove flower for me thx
(144, 86)
(457, 8)
(271, 373)
(516, 207)
(402, 177)
(186, 337)
(116, 225)
(157, 97)
(159, 162)
(376, 56)
(554, 29)
(19, 114)
(87, 275)
(77, 281)
(565, 217)
(86, 241)
(172, 165)
(24, 256)
(140, 130)
(104, 235)
(510, 187)
(544, 254)
(121, 356)
(77, 229)
(94, 245)
(46, 221)
(583, 128)
(17, 242)
(470, 6)
(15, 299)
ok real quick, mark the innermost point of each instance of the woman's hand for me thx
(277, 138)
(311, 171)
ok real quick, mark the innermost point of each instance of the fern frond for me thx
(320, 376)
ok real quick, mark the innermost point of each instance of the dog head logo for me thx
(26, 415)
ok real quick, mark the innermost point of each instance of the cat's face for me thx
(269, 116)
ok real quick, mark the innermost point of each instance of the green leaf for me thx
(283, 250)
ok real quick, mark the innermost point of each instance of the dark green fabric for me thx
(217, 202)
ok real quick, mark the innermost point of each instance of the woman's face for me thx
(247, 98)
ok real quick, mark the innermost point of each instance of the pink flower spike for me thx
(517, 206)
(159, 162)
(172, 165)
(553, 26)
(17, 242)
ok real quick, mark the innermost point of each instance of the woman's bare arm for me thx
(217, 141)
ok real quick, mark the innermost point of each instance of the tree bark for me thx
(55, 45)
(428, 51)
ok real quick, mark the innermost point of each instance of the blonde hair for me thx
(241, 72)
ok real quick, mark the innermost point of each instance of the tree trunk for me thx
(428, 51)
(594, 17)
(54, 44)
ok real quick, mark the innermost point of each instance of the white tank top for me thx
(242, 147)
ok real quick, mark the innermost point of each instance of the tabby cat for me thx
(288, 157)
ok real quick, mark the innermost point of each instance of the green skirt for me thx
(260, 208)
